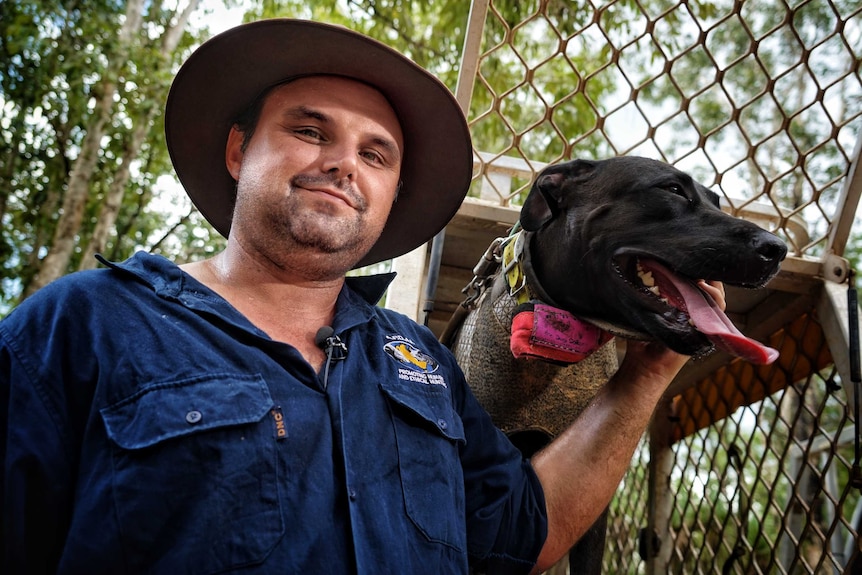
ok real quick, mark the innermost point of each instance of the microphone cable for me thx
(330, 343)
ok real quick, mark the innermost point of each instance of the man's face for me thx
(319, 174)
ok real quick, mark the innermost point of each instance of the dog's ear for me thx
(711, 196)
(542, 203)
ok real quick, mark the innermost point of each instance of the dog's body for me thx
(527, 399)
(594, 232)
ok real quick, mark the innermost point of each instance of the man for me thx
(255, 412)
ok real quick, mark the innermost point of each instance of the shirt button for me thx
(442, 423)
(352, 494)
(193, 416)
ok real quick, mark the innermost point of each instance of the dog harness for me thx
(541, 330)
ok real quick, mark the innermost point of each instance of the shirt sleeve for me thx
(35, 481)
(506, 516)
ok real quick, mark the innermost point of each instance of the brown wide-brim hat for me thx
(226, 73)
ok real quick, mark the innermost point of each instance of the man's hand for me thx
(715, 290)
(648, 364)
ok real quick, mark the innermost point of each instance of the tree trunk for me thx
(68, 227)
(10, 159)
(114, 198)
(110, 209)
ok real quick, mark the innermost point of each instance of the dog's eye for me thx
(677, 189)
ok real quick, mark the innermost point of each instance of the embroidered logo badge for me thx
(415, 364)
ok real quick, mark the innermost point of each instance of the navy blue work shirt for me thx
(147, 426)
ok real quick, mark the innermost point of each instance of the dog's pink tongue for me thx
(710, 320)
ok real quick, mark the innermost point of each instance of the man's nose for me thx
(340, 160)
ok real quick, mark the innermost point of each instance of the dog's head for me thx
(622, 242)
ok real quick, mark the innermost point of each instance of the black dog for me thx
(610, 247)
(597, 221)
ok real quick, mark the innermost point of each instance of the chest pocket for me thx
(194, 475)
(428, 432)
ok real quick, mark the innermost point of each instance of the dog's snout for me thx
(769, 247)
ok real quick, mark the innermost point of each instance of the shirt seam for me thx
(36, 383)
(505, 557)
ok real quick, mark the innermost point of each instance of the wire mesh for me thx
(766, 489)
(760, 100)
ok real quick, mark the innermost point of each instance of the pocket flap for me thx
(431, 403)
(172, 409)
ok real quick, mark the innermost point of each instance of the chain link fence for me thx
(759, 100)
(749, 469)
(766, 489)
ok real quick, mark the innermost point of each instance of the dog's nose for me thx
(769, 247)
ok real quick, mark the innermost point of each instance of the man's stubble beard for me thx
(331, 244)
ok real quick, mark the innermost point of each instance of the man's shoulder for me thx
(400, 321)
(81, 293)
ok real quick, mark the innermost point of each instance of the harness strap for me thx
(515, 276)
(540, 329)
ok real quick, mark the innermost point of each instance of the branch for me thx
(171, 230)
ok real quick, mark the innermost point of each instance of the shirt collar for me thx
(370, 288)
(169, 281)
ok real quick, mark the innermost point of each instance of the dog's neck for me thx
(540, 328)
(523, 284)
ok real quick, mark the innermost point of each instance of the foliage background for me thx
(83, 165)
(84, 169)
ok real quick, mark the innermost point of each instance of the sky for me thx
(213, 14)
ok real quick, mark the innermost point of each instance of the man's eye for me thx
(372, 156)
(307, 132)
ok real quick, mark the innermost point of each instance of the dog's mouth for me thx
(683, 306)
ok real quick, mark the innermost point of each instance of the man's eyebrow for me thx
(304, 112)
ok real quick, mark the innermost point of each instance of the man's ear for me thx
(542, 203)
(233, 152)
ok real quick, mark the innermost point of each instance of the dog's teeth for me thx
(646, 277)
(648, 281)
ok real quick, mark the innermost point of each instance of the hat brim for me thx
(226, 73)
